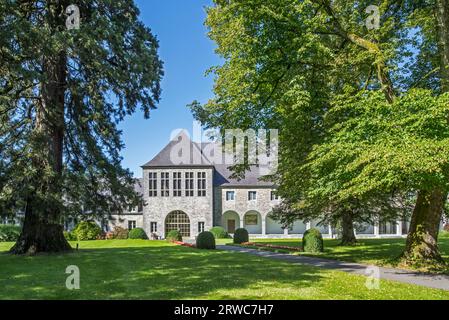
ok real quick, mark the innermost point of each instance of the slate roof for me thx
(222, 174)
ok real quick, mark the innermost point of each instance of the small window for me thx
(165, 187)
(230, 195)
(176, 184)
(200, 227)
(153, 184)
(153, 227)
(189, 184)
(252, 195)
(131, 225)
(201, 184)
(274, 196)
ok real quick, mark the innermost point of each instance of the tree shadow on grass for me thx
(163, 272)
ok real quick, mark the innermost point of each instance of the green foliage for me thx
(312, 241)
(87, 230)
(241, 236)
(70, 236)
(205, 240)
(174, 235)
(137, 233)
(106, 70)
(119, 233)
(9, 233)
(219, 233)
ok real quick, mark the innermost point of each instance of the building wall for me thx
(122, 221)
(199, 209)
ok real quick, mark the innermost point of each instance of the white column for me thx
(286, 232)
(399, 228)
(331, 235)
(242, 222)
(308, 226)
(376, 229)
(264, 226)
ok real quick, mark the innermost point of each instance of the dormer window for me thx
(274, 196)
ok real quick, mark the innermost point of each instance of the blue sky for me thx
(187, 53)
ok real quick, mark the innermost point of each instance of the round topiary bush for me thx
(313, 241)
(120, 233)
(205, 240)
(219, 233)
(87, 230)
(9, 233)
(174, 235)
(241, 236)
(138, 233)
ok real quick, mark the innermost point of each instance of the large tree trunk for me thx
(422, 247)
(42, 230)
(347, 225)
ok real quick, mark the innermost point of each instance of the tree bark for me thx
(442, 17)
(422, 241)
(42, 230)
(348, 235)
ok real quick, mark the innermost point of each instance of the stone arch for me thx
(272, 226)
(252, 221)
(178, 220)
(230, 221)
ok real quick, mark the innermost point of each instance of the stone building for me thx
(194, 195)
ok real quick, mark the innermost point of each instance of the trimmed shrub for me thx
(9, 233)
(219, 233)
(69, 236)
(205, 240)
(120, 233)
(241, 236)
(174, 235)
(138, 233)
(87, 230)
(313, 241)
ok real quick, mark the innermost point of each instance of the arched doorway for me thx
(252, 222)
(178, 220)
(231, 221)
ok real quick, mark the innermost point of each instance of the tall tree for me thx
(63, 92)
(299, 65)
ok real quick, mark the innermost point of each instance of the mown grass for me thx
(380, 252)
(136, 269)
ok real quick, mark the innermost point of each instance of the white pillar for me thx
(376, 229)
(308, 226)
(286, 232)
(399, 228)
(264, 226)
(331, 235)
(242, 225)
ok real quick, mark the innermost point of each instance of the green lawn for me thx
(382, 252)
(136, 269)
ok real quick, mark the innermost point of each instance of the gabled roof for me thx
(170, 157)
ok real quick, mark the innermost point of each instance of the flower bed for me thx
(271, 246)
(184, 244)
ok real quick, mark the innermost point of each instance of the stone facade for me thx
(198, 209)
(223, 201)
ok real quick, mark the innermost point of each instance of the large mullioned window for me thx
(176, 184)
(201, 184)
(153, 184)
(165, 184)
(189, 184)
